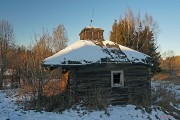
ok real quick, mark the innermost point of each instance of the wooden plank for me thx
(97, 79)
(110, 67)
(118, 102)
(119, 96)
(97, 75)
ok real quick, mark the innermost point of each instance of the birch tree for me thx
(59, 38)
(6, 40)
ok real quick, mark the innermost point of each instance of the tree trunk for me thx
(1, 79)
(39, 91)
(1, 83)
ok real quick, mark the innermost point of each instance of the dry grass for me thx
(161, 76)
(175, 78)
(55, 87)
(54, 95)
(165, 98)
(52, 87)
(178, 73)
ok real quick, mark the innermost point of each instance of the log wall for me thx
(94, 82)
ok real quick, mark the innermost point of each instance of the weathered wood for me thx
(89, 82)
(119, 102)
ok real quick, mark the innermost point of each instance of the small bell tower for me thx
(92, 33)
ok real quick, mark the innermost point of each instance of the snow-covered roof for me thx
(93, 27)
(90, 51)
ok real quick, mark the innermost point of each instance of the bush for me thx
(56, 103)
(141, 99)
(96, 99)
(164, 96)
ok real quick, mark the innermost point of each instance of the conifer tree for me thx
(113, 35)
(138, 34)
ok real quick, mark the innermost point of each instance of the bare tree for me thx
(59, 38)
(169, 61)
(35, 77)
(34, 74)
(6, 40)
(129, 17)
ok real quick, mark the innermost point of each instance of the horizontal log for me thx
(135, 85)
(97, 75)
(93, 84)
(118, 96)
(118, 101)
(131, 78)
(115, 67)
(138, 74)
(103, 79)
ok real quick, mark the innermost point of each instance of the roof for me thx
(88, 52)
(91, 27)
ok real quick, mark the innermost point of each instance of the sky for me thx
(33, 16)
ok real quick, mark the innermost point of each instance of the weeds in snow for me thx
(165, 96)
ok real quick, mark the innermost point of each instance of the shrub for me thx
(162, 95)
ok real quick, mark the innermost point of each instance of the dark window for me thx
(117, 78)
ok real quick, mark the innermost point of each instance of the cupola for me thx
(92, 33)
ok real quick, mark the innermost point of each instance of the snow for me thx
(10, 110)
(168, 85)
(172, 91)
(93, 27)
(9, 72)
(88, 52)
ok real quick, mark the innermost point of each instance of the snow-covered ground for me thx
(175, 88)
(11, 111)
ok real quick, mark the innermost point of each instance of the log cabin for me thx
(103, 70)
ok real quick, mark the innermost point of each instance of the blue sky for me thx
(31, 16)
